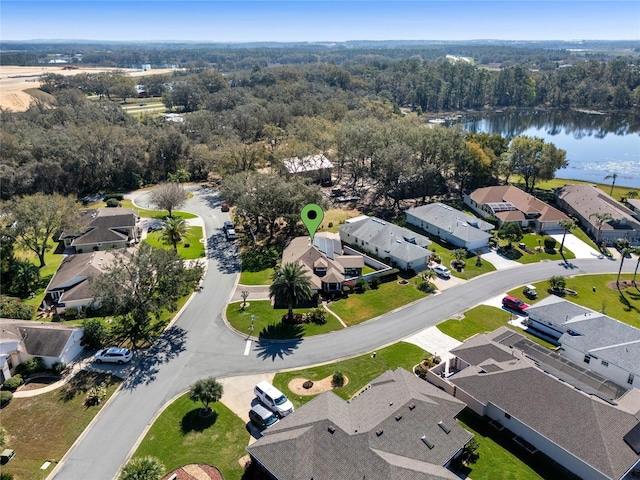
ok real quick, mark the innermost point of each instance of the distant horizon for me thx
(315, 21)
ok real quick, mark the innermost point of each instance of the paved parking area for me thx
(434, 341)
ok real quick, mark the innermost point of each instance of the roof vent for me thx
(398, 417)
(444, 427)
(390, 404)
(379, 432)
(427, 442)
(412, 406)
(331, 429)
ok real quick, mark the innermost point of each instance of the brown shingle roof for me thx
(523, 201)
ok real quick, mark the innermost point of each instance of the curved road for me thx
(199, 344)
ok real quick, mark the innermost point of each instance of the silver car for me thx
(114, 355)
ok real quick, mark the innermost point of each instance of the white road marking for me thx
(247, 347)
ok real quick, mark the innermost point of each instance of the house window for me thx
(630, 379)
(604, 364)
(507, 416)
(587, 359)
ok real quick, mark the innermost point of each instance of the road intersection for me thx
(199, 344)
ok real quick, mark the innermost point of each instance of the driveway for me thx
(577, 246)
(498, 261)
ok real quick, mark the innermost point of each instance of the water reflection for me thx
(596, 144)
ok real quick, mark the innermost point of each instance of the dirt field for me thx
(14, 80)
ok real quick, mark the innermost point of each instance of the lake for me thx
(596, 144)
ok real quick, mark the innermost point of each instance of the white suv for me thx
(273, 399)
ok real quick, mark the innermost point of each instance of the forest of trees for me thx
(245, 120)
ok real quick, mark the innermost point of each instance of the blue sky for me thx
(310, 20)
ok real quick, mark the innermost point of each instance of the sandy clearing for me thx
(15, 80)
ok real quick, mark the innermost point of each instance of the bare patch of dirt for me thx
(623, 285)
(319, 386)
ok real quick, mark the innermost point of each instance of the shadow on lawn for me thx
(80, 384)
(167, 347)
(194, 422)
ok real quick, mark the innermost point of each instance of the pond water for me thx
(597, 145)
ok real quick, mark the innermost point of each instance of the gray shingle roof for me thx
(584, 426)
(461, 225)
(376, 435)
(40, 339)
(391, 239)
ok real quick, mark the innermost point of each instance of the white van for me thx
(273, 399)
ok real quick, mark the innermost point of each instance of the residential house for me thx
(103, 229)
(398, 427)
(609, 347)
(585, 202)
(315, 167)
(586, 423)
(22, 340)
(326, 266)
(70, 286)
(451, 225)
(510, 204)
(399, 246)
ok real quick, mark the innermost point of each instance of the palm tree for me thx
(290, 286)
(174, 231)
(601, 219)
(567, 226)
(636, 251)
(623, 253)
(557, 283)
(206, 390)
(613, 177)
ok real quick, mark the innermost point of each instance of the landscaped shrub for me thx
(112, 202)
(362, 285)
(386, 276)
(35, 365)
(317, 316)
(337, 380)
(70, 313)
(95, 333)
(258, 259)
(58, 367)
(12, 383)
(6, 476)
(5, 397)
(421, 371)
(375, 282)
(116, 196)
(95, 395)
(550, 243)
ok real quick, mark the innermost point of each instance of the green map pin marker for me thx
(312, 216)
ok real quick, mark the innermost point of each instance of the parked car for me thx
(261, 417)
(441, 270)
(227, 225)
(114, 355)
(514, 303)
(225, 207)
(273, 399)
(230, 233)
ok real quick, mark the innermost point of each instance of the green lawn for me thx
(359, 307)
(267, 322)
(53, 261)
(623, 305)
(193, 251)
(534, 241)
(263, 277)
(359, 370)
(502, 459)
(158, 214)
(45, 426)
(481, 319)
(179, 436)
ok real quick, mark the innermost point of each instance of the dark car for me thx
(228, 225)
(261, 417)
(514, 303)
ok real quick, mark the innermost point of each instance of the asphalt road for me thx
(199, 344)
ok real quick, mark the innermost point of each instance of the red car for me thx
(514, 303)
(225, 207)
